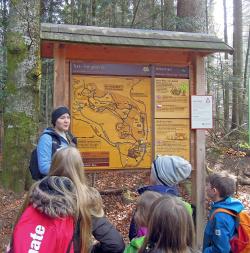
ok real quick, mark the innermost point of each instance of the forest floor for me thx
(118, 190)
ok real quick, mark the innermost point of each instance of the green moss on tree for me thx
(19, 128)
(17, 145)
(16, 53)
(16, 46)
(33, 77)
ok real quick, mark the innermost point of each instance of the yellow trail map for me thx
(111, 118)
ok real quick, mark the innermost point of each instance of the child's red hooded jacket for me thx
(37, 232)
(47, 224)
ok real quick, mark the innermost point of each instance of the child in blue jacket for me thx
(221, 228)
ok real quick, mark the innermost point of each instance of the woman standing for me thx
(54, 138)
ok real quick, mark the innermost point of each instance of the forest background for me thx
(26, 80)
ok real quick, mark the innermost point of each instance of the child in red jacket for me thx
(47, 223)
(61, 205)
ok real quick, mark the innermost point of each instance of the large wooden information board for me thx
(111, 117)
(172, 123)
(171, 98)
(172, 137)
(124, 115)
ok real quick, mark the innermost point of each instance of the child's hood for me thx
(230, 204)
(49, 198)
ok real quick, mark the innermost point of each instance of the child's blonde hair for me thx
(143, 205)
(95, 203)
(67, 162)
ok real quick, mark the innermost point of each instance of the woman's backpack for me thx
(33, 165)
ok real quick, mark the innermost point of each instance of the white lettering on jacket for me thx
(37, 239)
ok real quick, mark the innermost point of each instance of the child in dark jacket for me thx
(141, 219)
(166, 173)
(108, 239)
(221, 228)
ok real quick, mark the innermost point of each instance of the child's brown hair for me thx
(170, 227)
(224, 182)
(143, 205)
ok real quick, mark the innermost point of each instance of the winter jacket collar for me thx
(70, 137)
(163, 189)
(228, 203)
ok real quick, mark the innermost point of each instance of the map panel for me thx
(172, 137)
(171, 98)
(111, 118)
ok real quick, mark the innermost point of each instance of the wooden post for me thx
(199, 175)
(61, 77)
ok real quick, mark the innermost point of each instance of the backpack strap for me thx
(74, 238)
(56, 142)
(69, 246)
(71, 138)
(54, 136)
(222, 210)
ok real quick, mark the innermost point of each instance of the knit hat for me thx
(55, 196)
(57, 113)
(170, 170)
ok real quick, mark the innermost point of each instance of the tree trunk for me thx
(72, 10)
(245, 85)
(237, 64)
(50, 12)
(153, 14)
(217, 107)
(22, 86)
(223, 88)
(135, 10)
(123, 12)
(225, 85)
(93, 12)
(113, 8)
(168, 15)
(46, 93)
(3, 72)
(206, 16)
(191, 15)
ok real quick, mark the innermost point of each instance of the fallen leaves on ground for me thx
(119, 195)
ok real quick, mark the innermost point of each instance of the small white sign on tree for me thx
(201, 112)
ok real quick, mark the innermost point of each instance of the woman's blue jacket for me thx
(44, 149)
